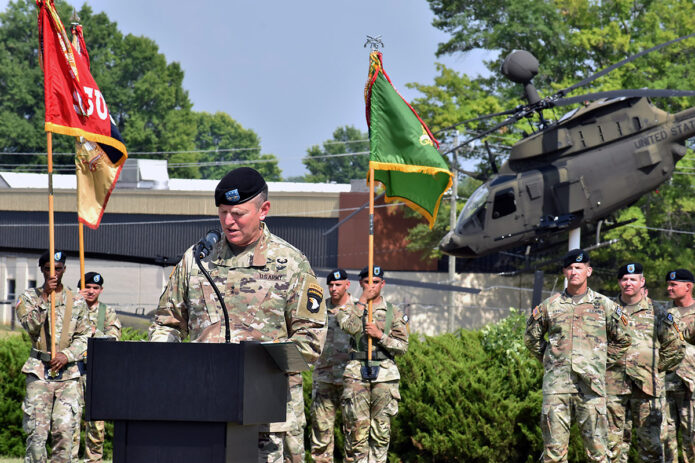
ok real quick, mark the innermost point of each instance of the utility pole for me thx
(452, 226)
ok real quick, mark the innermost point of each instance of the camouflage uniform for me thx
(293, 444)
(327, 387)
(268, 288)
(52, 404)
(583, 335)
(680, 385)
(368, 406)
(635, 392)
(94, 430)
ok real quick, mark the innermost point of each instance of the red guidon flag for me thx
(74, 104)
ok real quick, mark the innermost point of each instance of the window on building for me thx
(32, 284)
(11, 289)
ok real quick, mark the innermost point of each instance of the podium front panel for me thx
(183, 382)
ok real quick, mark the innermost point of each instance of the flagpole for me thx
(81, 236)
(371, 255)
(51, 238)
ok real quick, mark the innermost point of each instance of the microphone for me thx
(205, 245)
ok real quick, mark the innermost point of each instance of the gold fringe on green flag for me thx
(403, 151)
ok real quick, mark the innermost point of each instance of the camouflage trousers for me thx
(293, 446)
(50, 406)
(642, 412)
(270, 446)
(94, 432)
(325, 402)
(367, 411)
(588, 410)
(680, 417)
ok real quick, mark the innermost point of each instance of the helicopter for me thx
(591, 162)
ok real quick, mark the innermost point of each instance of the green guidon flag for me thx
(403, 152)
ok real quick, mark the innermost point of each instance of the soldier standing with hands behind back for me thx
(635, 394)
(103, 323)
(328, 373)
(583, 336)
(680, 383)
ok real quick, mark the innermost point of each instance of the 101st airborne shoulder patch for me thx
(311, 304)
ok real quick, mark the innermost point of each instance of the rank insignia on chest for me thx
(619, 312)
(314, 296)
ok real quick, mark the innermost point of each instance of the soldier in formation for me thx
(635, 394)
(103, 323)
(680, 383)
(370, 385)
(268, 286)
(327, 388)
(52, 400)
(585, 331)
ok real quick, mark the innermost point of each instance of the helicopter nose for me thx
(453, 244)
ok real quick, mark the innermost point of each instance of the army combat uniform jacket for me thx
(394, 342)
(656, 347)
(330, 366)
(34, 315)
(269, 288)
(683, 377)
(583, 335)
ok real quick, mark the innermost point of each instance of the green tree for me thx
(144, 92)
(343, 158)
(234, 143)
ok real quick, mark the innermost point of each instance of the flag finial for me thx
(374, 42)
(74, 19)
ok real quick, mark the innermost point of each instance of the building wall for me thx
(390, 236)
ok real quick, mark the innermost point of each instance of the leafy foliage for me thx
(339, 169)
(14, 351)
(144, 92)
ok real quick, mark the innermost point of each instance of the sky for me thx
(292, 72)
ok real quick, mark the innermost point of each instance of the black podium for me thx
(187, 402)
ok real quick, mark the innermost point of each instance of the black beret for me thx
(680, 274)
(337, 275)
(377, 272)
(239, 186)
(634, 268)
(575, 256)
(59, 256)
(93, 278)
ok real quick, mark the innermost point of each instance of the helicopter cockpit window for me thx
(475, 201)
(504, 203)
(472, 217)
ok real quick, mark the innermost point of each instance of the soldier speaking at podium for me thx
(268, 286)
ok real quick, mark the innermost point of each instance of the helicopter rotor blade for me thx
(506, 122)
(627, 93)
(620, 63)
(479, 118)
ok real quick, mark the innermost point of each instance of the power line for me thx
(668, 230)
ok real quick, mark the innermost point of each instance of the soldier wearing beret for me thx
(680, 384)
(327, 387)
(369, 402)
(268, 286)
(52, 401)
(635, 394)
(104, 323)
(584, 333)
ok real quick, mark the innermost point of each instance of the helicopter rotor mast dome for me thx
(520, 66)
